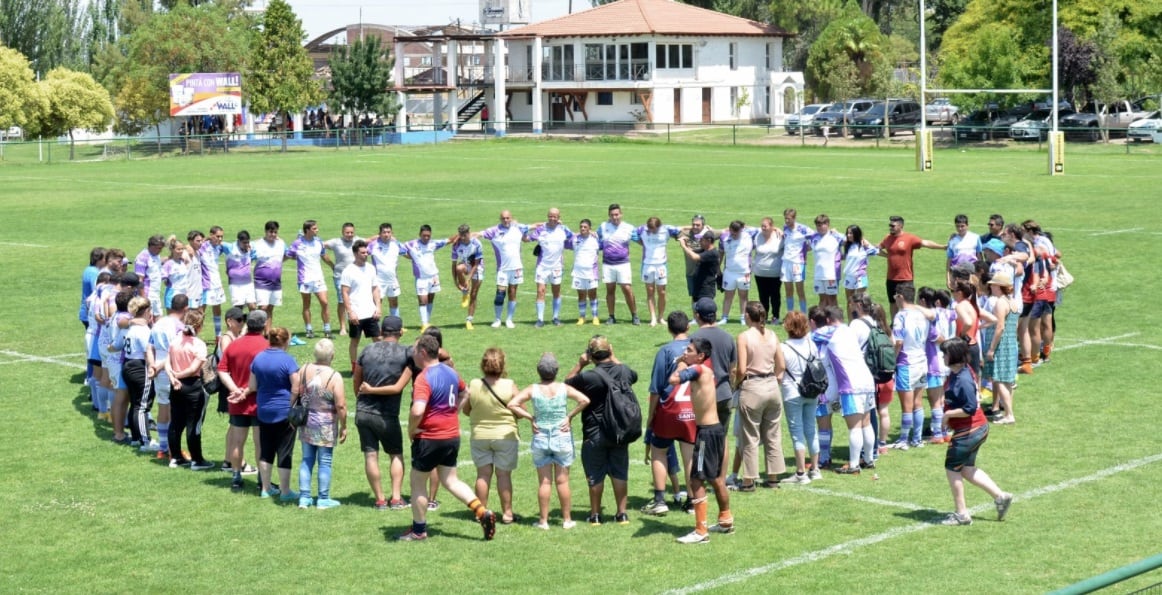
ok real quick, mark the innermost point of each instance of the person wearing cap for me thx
(723, 357)
(234, 373)
(704, 282)
(615, 236)
(898, 247)
(1000, 356)
(360, 293)
(380, 374)
(964, 246)
(598, 458)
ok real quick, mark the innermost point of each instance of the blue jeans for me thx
(800, 414)
(310, 453)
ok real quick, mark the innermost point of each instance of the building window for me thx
(767, 98)
(558, 63)
(768, 47)
(604, 98)
(617, 62)
(425, 60)
(734, 55)
(675, 55)
(734, 100)
(634, 99)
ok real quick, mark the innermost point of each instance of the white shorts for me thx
(545, 275)
(389, 287)
(477, 272)
(240, 295)
(826, 287)
(654, 274)
(214, 296)
(162, 387)
(584, 284)
(856, 283)
(195, 299)
(267, 297)
(792, 272)
(112, 365)
(513, 277)
(616, 273)
(428, 285)
(155, 305)
(857, 403)
(733, 281)
(313, 287)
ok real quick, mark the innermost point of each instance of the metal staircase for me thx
(470, 108)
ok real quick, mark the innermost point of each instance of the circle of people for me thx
(996, 320)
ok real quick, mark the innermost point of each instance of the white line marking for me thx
(23, 245)
(849, 546)
(1103, 341)
(1142, 345)
(43, 360)
(1115, 231)
(862, 498)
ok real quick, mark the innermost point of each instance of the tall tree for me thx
(851, 38)
(20, 98)
(990, 58)
(75, 101)
(1075, 65)
(48, 32)
(361, 77)
(281, 76)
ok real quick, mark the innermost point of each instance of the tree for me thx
(851, 38)
(990, 58)
(280, 76)
(1107, 68)
(20, 99)
(75, 101)
(49, 33)
(1075, 65)
(360, 78)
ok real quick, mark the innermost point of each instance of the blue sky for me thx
(320, 16)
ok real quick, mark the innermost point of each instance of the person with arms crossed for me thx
(506, 238)
(653, 237)
(615, 236)
(709, 443)
(585, 247)
(825, 244)
(357, 289)
(434, 427)
(341, 256)
(551, 237)
(308, 252)
(234, 373)
(384, 252)
(422, 252)
(467, 269)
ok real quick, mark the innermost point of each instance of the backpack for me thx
(813, 382)
(621, 423)
(879, 353)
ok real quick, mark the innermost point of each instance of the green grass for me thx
(80, 514)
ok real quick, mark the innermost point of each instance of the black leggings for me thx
(770, 294)
(140, 389)
(187, 410)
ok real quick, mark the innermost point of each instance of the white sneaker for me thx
(568, 525)
(717, 528)
(153, 446)
(799, 478)
(694, 537)
(655, 508)
(542, 526)
(814, 474)
(509, 323)
(495, 323)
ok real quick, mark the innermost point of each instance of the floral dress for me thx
(322, 427)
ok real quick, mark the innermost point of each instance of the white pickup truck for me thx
(1115, 117)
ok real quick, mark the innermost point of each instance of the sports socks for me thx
(869, 444)
(163, 436)
(419, 528)
(593, 307)
(803, 306)
(918, 424)
(790, 302)
(660, 495)
(326, 327)
(393, 311)
(309, 329)
(905, 426)
(423, 314)
(217, 325)
(541, 311)
(581, 309)
(512, 308)
(700, 526)
(556, 307)
(855, 446)
(477, 508)
(429, 310)
(825, 445)
(937, 423)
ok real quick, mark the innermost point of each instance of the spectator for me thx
(494, 440)
(273, 381)
(760, 404)
(320, 389)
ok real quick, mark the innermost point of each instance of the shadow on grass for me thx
(391, 533)
(924, 515)
(653, 525)
(83, 404)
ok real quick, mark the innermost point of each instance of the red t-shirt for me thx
(438, 386)
(900, 249)
(236, 360)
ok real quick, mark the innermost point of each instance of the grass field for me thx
(78, 513)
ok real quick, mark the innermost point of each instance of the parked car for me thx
(834, 121)
(802, 118)
(1036, 125)
(13, 133)
(1145, 128)
(979, 124)
(1047, 103)
(1116, 117)
(901, 114)
(941, 111)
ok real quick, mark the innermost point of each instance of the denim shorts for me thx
(552, 446)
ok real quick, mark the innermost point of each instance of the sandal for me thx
(746, 487)
(509, 520)
(770, 484)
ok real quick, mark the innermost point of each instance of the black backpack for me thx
(621, 424)
(879, 353)
(813, 381)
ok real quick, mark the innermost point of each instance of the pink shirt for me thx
(185, 351)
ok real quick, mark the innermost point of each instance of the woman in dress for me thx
(552, 447)
(272, 380)
(494, 439)
(320, 389)
(1001, 355)
(800, 411)
(760, 404)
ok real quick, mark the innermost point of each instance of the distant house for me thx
(654, 61)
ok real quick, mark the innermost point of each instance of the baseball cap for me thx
(392, 325)
(705, 308)
(996, 246)
(256, 320)
(129, 279)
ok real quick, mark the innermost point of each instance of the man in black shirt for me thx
(381, 373)
(705, 276)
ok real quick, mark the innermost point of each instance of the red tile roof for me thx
(646, 17)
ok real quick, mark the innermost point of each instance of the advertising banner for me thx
(205, 94)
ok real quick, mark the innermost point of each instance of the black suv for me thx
(902, 114)
(832, 122)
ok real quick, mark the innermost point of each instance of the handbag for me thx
(1064, 278)
(299, 412)
(210, 382)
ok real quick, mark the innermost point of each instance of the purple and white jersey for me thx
(208, 257)
(826, 250)
(424, 256)
(585, 250)
(237, 264)
(944, 327)
(964, 250)
(552, 242)
(654, 244)
(615, 240)
(506, 241)
(855, 261)
(309, 256)
(472, 252)
(843, 352)
(795, 243)
(268, 263)
(148, 269)
(385, 257)
(911, 328)
(736, 251)
(176, 274)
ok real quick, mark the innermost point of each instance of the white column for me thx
(297, 118)
(496, 104)
(451, 64)
(538, 105)
(401, 117)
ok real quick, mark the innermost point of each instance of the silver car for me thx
(1143, 130)
(802, 118)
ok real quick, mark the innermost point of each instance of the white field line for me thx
(24, 357)
(849, 546)
(1090, 342)
(22, 245)
(1115, 231)
(862, 498)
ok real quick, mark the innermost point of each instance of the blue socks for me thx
(918, 424)
(790, 303)
(593, 308)
(541, 311)
(556, 308)
(512, 308)
(906, 426)
(824, 445)
(803, 306)
(217, 325)
(937, 423)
